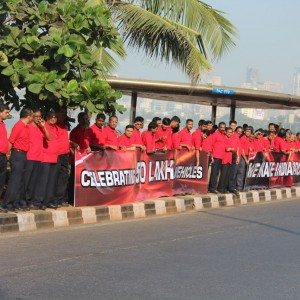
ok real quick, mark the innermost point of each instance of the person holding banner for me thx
(218, 140)
(163, 136)
(79, 136)
(110, 135)
(95, 135)
(127, 140)
(185, 138)
(138, 125)
(148, 138)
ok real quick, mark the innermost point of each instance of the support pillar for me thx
(214, 114)
(232, 112)
(134, 96)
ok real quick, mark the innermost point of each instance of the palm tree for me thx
(188, 33)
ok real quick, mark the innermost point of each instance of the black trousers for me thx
(72, 184)
(241, 174)
(32, 174)
(232, 174)
(45, 192)
(15, 193)
(62, 178)
(224, 178)
(3, 172)
(214, 175)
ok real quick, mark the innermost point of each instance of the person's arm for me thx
(45, 131)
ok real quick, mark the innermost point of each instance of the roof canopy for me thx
(205, 94)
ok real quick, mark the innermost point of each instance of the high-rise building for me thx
(252, 76)
(296, 82)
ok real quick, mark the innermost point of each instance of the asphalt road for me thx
(245, 252)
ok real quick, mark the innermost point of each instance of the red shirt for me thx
(218, 144)
(137, 136)
(80, 136)
(125, 141)
(166, 133)
(36, 135)
(207, 144)
(279, 144)
(197, 138)
(261, 144)
(229, 143)
(148, 139)
(63, 139)
(297, 143)
(290, 145)
(19, 136)
(50, 148)
(185, 137)
(175, 140)
(110, 136)
(96, 136)
(245, 143)
(3, 139)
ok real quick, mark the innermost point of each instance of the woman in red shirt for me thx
(49, 167)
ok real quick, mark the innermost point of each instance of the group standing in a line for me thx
(41, 151)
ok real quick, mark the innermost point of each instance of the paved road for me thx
(249, 252)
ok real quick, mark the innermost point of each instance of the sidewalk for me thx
(63, 217)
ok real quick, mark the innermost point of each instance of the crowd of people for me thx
(41, 151)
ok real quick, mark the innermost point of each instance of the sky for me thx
(268, 39)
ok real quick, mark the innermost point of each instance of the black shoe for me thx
(52, 206)
(65, 204)
(236, 192)
(213, 191)
(42, 207)
(3, 210)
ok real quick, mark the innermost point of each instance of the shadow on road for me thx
(252, 222)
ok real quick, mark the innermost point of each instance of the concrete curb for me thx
(64, 217)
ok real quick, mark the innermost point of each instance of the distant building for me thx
(252, 76)
(296, 82)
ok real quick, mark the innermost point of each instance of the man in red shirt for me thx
(218, 139)
(148, 138)
(4, 112)
(96, 137)
(127, 141)
(79, 135)
(245, 145)
(110, 135)
(138, 125)
(237, 132)
(197, 136)
(185, 136)
(230, 148)
(63, 157)
(37, 132)
(19, 142)
(163, 136)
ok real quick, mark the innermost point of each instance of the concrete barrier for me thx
(63, 217)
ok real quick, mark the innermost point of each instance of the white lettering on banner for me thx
(157, 171)
(271, 169)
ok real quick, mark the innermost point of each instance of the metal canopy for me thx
(205, 94)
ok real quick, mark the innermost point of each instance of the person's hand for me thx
(212, 160)
(88, 150)
(123, 148)
(42, 123)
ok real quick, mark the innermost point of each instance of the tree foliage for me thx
(59, 52)
(188, 33)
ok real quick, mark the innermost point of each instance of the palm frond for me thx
(162, 38)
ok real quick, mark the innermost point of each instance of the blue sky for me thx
(269, 39)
